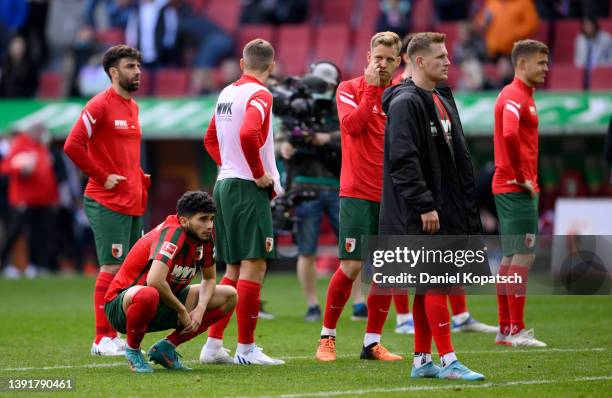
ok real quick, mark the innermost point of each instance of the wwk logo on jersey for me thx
(168, 249)
(349, 245)
(182, 272)
(121, 124)
(117, 250)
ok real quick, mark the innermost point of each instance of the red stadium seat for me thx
(370, 10)
(171, 82)
(422, 16)
(566, 31)
(451, 30)
(542, 33)
(225, 13)
(606, 24)
(338, 11)
(250, 32)
(146, 84)
(361, 47)
(51, 85)
(332, 44)
(110, 37)
(565, 77)
(601, 79)
(293, 47)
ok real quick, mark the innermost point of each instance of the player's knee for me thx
(147, 295)
(351, 268)
(231, 299)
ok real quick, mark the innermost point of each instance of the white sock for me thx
(328, 332)
(242, 349)
(213, 344)
(460, 318)
(421, 360)
(403, 318)
(371, 338)
(447, 359)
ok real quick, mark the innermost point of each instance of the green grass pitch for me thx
(46, 327)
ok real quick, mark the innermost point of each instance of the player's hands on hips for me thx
(527, 185)
(372, 74)
(264, 181)
(112, 180)
(195, 317)
(287, 150)
(431, 222)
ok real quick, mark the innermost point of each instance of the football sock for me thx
(503, 309)
(421, 359)
(338, 293)
(516, 298)
(325, 332)
(247, 310)
(458, 302)
(243, 349)
(103, 327)
(379, 302)
(177, 338)
(216, 330)
(401, 300)
(403, 318)
(422, 332)
(438, 317)
(370, 338)
(448, 358)
(138, 315)
(213, 343)
(461, 317)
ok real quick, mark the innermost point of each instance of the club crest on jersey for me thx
(199, 253)
(350, 244)
(168, 249)
(121, 124)
(530, 240)
(117, 250)
(269, 244)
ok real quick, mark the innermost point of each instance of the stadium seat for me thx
(225, 13)
(293, 47)
(250, 32)
(542, 33)
(606, 24)
(110, 37)
(565, 77)
(368, 15)
(171, 82)
(338, 11)
(451, 30)
(601, 79)
(422, 16)
(51, 85)
(332, 43)
(360, 47)
(566, 31)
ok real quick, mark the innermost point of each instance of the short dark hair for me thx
(526, 48)
(405, 42)
(420, 42)
(113, 55)
(193, 202)
(258, 55)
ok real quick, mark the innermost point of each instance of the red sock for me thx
(103, 327)
(338, 293)
(216, 330)
(439, 321)
(379, 301)
(457, 301)
(138, 315)
(177, 338)
(401, 299)
(422, 332)
(516, 297)
(503, 309)
(247, 310)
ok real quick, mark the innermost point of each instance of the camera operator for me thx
(311, 149)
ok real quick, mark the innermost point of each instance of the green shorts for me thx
(518, 222)
(358, 217)
(114, 233)
(165, 317)
(243, 223)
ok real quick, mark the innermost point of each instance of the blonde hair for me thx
(387, 39)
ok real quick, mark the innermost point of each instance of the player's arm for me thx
(211, 143)
(403, 121)
(354, 117)
(252, 136)
(511, 118)
(157, 278)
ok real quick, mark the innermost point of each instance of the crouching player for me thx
(152, 291)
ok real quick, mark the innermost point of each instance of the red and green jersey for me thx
(106, 140)
(362, 128)
(170, 244)
(516, 138)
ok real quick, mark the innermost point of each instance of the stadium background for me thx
(64, 41)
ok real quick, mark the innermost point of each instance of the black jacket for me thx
(420, 173)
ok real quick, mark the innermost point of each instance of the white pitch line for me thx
(291, 358)
(432, 388)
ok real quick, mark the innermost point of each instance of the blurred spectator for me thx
(92, 78)
(275, 12)
(229, 72)
(506, 21)
(485, 200)
(33, 196)
(35, 30)
(471, 78)
(19, 74)
(117, 12)
(13, 14)
(503, 76)
(153, 28)
(593, 47)
(452, 10)
(469, 44)
(83, 48)
(394, 16)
